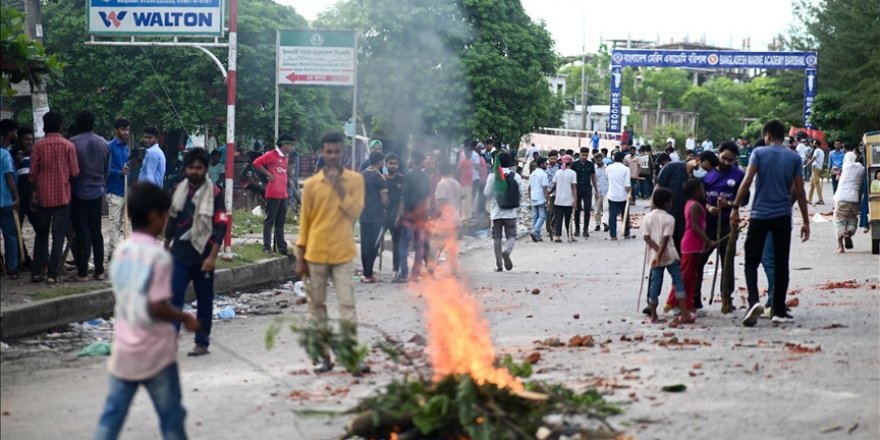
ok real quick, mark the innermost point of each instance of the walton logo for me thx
(112, 18)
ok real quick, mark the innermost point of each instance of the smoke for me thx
(412, 81)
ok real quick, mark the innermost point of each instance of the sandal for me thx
(369, 280)
(101, 277)
(51, 281)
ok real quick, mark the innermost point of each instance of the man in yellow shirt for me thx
(332, 201)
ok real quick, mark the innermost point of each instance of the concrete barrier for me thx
(25, 319)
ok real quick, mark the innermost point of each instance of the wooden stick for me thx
(20, 237)
(642, 283)
(717, 258)
(626, 210)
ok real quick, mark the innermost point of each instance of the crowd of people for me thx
(59, 185)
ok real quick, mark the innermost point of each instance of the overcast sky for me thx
(722, 23)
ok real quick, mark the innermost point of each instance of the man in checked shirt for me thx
(53, 165)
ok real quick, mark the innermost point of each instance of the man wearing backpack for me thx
(503, 187)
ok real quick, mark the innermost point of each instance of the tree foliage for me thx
(181, 88)
(450, 69)
(847, 35)
(22, 58)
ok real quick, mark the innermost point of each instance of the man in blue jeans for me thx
(539, 193)
(196, 227)
(778, 174)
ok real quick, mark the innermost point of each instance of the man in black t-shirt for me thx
(585, 170)
(395, 181)
(373, 215)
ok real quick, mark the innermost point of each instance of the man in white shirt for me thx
(816, 162)
(708, 145)
(673, 154)
(690, 143)
(801, 149)
(671, 140)
(530, 155)
(539, 193)
(618, 192)
(565, 182)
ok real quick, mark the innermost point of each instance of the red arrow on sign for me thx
(294, 78)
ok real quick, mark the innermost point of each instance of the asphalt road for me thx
(741, 382)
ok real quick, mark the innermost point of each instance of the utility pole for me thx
(39, 97)
(659, 100)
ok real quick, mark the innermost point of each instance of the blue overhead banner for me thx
(155, 17)
(616, 98)
(714, 59)
(810, 84)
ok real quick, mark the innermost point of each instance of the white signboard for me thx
(316, 58)
(155, 17)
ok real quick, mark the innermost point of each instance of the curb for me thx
(25, 319)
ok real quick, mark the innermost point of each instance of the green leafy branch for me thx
(22, 58)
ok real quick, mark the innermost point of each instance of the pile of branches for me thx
(457, 407)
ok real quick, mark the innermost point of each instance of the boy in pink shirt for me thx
(144, 339)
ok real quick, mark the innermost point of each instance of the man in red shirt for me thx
(53, 164)
(273, 165)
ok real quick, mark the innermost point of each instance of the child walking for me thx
(693, 243)
(144, 339)
(659, 227)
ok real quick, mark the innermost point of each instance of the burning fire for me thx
(459, 339)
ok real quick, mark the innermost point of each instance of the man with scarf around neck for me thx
(196, 226)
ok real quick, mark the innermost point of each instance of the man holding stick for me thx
(8, 208)
(116, 182)
(722, 184)
(619, 191)
(373, 215)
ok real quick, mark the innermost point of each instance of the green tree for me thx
(21, 58)
(181, 88)
(847, 35)
(450, 69)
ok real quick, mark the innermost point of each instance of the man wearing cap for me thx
(375, 145)
(153, 168)
(273, 165)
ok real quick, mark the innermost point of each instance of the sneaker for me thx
(534, 236)
(751, 317)
(499, 269)
(605, 227)
(267, 250)
(768, 313)
(508, 263)
(577, 232)
(784, 319)
(198, 350)
(586, 233)
(398, 279)
(323, 366)
(701, 313)
(597, 228)
(360, 370)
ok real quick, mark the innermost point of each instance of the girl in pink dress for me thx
(693, 243)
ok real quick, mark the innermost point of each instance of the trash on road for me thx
(99, 348)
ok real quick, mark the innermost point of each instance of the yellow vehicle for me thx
(872, 165)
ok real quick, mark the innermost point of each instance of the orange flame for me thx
(459, 339)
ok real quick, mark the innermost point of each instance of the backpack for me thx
(510, 198)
